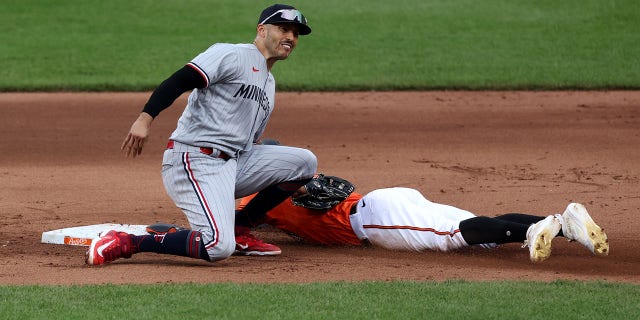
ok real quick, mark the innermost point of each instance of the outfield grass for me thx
(355, 45)
(367, 300)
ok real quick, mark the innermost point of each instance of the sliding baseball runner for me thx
(327, 211)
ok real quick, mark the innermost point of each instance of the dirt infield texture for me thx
(487, 152)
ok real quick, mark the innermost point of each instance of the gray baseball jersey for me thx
(228, 115)
(231, 112)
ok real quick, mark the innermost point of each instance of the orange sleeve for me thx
(327, 227)
(243, 201)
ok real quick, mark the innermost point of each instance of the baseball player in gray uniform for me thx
(213, 157)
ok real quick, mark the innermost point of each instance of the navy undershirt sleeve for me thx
(170, 89)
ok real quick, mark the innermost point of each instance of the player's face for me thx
(281, 39)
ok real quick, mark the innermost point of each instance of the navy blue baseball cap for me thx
(282, 13)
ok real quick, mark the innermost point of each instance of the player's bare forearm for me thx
(137, 136)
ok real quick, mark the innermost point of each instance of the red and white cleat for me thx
(108, 247)
(248, 245)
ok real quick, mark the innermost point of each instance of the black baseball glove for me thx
(324, 192)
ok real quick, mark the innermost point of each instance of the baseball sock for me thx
(186, 243)
(520, 218)
(523, 218)
(479, 230)
(254, 213)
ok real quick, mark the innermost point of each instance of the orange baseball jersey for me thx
(331, 227)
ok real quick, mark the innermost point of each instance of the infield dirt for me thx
(487, 152)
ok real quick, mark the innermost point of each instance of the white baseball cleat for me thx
(578, 226)
(539, 236)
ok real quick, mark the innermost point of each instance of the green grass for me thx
(367, 300)
(355, 45)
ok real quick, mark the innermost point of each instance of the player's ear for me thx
(261, 31)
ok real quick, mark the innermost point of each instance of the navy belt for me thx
(207, 151)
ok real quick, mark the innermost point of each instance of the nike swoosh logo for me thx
(363, 204)
(104, 246)
(243, 246)
(254, 69)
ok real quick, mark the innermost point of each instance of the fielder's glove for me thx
(324, 192)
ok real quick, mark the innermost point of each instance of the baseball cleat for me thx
(578, 226)
(539, 237)
(108, 247)
(248, 245)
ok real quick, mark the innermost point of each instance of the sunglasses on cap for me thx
(288, 14)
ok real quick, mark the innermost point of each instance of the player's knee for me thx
(221, 251)
(309, 164)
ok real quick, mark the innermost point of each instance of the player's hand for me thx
(137, 136)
